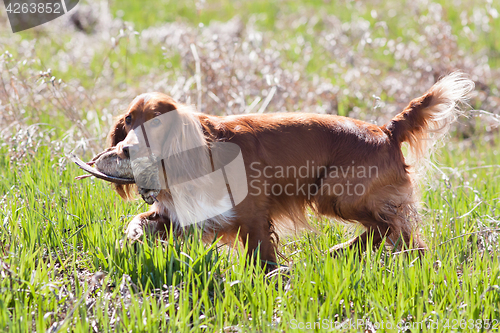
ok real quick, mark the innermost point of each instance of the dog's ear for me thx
(126, 192)
(118, 132)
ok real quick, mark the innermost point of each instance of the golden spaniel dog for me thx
(338, 167)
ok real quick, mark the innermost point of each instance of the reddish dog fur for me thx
(385, 209)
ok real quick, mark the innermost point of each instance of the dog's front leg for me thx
(150, 223)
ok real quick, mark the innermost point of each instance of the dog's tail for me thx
(427, 118)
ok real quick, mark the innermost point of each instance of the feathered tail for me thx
(427, 118)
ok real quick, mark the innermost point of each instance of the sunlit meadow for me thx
(62, 265)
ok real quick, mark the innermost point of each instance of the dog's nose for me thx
(123, 150)
(126, 151)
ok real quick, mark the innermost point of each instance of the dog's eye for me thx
(128, 120)
(155, 122)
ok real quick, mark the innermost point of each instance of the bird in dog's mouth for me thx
(109, 166)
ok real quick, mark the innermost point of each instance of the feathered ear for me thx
(117, 134)
(126, 192)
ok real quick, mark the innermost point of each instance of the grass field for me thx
(62, 263)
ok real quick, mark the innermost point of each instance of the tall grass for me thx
(64, 264)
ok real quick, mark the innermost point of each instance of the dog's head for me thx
(154, 127)
(123, 135)
(143, 108)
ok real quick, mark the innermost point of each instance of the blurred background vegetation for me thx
(364, 59)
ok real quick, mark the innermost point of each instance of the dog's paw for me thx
(140, 227)
(135, 229)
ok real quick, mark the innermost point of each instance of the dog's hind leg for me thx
(404, 222)
(397, 224)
